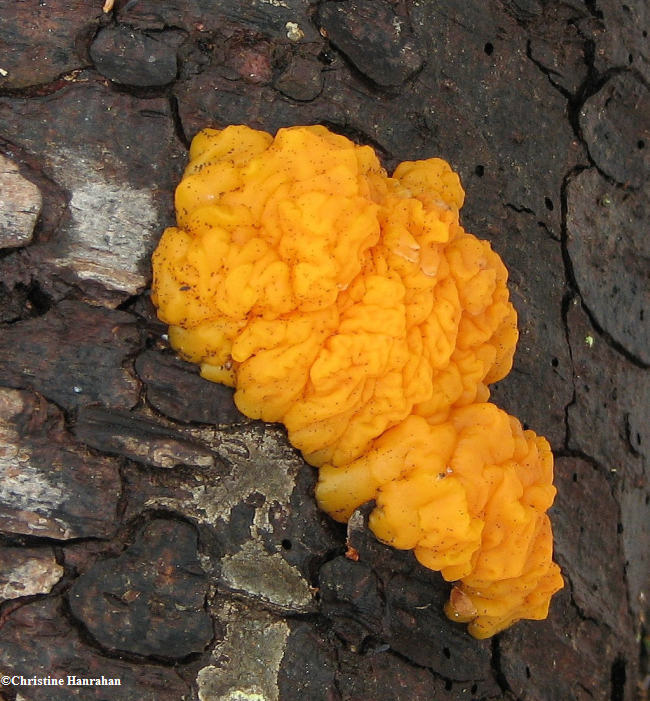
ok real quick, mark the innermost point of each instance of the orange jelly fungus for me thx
(353, 308)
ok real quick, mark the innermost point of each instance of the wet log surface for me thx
(151, 533)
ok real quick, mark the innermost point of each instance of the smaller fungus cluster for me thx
(353, 308)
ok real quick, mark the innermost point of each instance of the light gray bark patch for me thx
(20, 206)
(246, 664)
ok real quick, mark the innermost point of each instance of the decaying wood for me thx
(150, 532)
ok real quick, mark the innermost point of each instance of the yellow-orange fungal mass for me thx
(469, 496)
(353, 308)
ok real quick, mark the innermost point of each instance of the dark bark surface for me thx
(151, 533)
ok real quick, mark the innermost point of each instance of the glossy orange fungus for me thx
(353, 308)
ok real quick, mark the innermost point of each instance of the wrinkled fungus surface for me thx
(353, 308)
